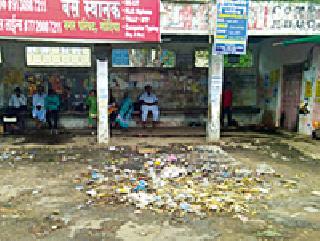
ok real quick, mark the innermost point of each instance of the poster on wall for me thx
(201, 58)
(308, 89)
(231, 33)
(185, 18)
(143, 58)
(318, 88)
(168, 59)
(81, 19)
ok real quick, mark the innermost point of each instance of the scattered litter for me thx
(316, 193)
(197, 179)
(311, 209)
(264, 168)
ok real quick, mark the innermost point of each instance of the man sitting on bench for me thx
(149, 102)
(17, 104)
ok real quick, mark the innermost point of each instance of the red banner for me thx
(131, 20)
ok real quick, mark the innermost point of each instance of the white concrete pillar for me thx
(215, 82)
(102, 99)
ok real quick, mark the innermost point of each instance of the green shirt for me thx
(91, 101)
(52, 102)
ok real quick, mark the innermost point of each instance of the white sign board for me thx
(284, 18)
(58, 56)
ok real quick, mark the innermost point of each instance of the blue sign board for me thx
(231, 33)
(120, 57)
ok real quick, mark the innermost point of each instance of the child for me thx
(52, 103)
(91, 102)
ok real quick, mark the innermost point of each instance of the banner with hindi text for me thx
(130, 20)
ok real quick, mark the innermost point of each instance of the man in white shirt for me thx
(38, 107)
(17, 103)
(149, 102)
(17, 100)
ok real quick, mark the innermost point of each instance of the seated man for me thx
(17, 104)
(149, 102)
(38, 107)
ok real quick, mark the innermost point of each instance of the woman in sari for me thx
(125, 111)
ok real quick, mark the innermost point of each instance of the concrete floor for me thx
(38, 199)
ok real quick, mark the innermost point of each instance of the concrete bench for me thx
(169, 117)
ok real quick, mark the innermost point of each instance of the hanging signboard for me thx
(284, 18)
(58, 56)
(231, 27)
(134, 20)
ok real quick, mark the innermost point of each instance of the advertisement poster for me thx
(231, 33)
(143, 58)
(308, 89)
(201, 58)
(185, 18)
(318, 88)
(131, 20)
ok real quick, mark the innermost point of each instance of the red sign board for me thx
(131, 20)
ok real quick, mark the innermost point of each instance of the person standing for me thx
(112, 110)
(91, 102)
(52, 104)
(227, 104)
(38, 107)
(149, 102)
(17, 104)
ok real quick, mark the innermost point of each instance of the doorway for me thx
(291, 90)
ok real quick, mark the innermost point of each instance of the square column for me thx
(102, 101)
(215, 82)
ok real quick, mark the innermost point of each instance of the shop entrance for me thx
(291, 89)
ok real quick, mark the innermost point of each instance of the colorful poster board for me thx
(231, 31)
(120, 57)
(143, 58)
(58, 56)
(202, 60)
(168, 59)
(131, 20)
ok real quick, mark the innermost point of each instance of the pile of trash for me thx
(201, 180)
